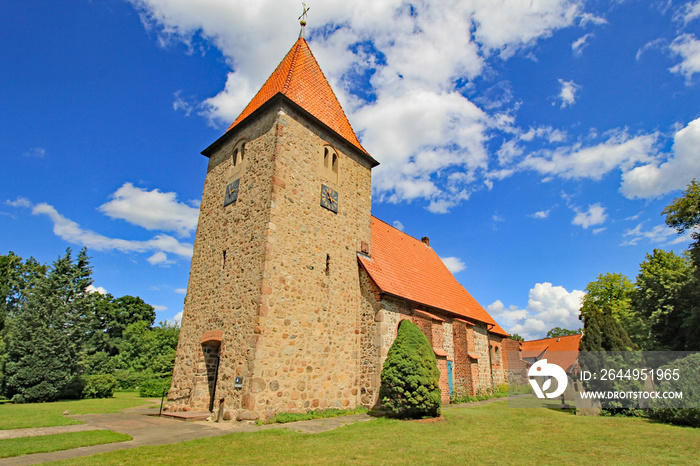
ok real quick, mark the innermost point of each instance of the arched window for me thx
(238, 159)
(330, 165)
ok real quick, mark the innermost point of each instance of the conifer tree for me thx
(602, 332)
(46, 330)
(410, 378)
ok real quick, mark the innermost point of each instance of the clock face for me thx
(231, 194)
(329, 198)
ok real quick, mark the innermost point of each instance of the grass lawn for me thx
(487, 434)
(56, 442)
(21, 416)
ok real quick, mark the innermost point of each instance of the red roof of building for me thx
(300, 79)
(408, 268)
(562, 351)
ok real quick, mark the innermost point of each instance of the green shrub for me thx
(130, 380)
(99, 386)
(667, 410)
(154, 387)
(410, 377)
(97, 363)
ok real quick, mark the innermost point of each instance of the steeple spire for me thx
(299, 79)
(302, 22)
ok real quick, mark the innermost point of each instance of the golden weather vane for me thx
(303, 14)
(302, 18)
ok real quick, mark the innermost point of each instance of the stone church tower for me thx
(271, 320)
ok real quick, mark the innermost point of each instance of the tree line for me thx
(60, 340)
(660, 311)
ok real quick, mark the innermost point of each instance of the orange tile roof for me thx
(558, 350)
(301, 80)
(405, 267)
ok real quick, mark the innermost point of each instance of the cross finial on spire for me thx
(305, 10)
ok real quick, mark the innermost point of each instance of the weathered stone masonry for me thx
(280, 315)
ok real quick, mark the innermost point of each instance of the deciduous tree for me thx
(666, 303)
(562, 332)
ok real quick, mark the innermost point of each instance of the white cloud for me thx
(453, 264)
(508, 152)
(548, 307)
(19, 202)
(653, 180)
(159, 258)
(36, 153)
(546, 132)
(177, 319)
(398, 225)
(619, 151)
(416, 121)
(654, 44)
(181, 290)
(152, 210)
(424, 136)
(660, 234)
(540, 214)
(72, 232)
(511, 25)
(688, 48)
(98, 289)
(590, 18)
(595, 215)
(158, 307)
(688, 12)
(579, 44)
(567, 94)
(180, 104)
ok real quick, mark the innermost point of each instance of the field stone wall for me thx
(276, 277)
(226, 271)
(308, 348)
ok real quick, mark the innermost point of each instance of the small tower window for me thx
(328, 264)
(238, 160)
(330, 165)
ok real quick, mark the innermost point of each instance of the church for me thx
(296, 290)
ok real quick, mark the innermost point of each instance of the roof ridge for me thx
(552, 338)
(291, 66)
(342, 110)
(300, 79)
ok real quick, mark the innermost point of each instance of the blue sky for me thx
(535, 143)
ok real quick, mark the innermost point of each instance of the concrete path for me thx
(139, 423)
(146, 428)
